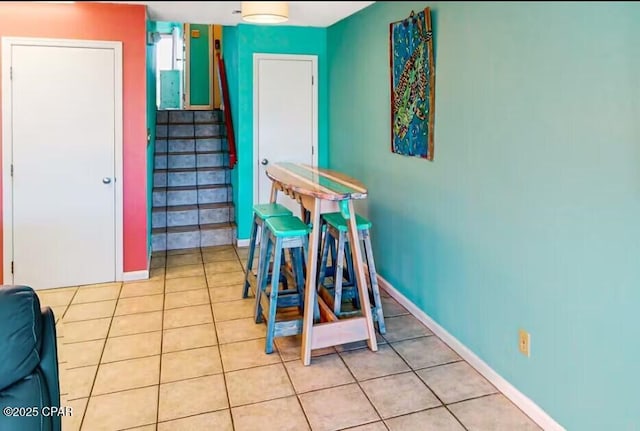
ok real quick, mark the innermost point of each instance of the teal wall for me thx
(250, 39)
(151, 125)
(528, 217)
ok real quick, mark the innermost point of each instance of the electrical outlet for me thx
(524, 342)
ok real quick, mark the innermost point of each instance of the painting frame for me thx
(412, 79)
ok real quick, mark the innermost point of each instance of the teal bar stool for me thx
(282, 233)
(261, 213)
(337, 230)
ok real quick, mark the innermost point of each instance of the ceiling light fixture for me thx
(265, 12)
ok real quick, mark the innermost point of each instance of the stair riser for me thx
(191, 197)
(192, 217)
(190, 161)
(201, 178)
(190, 145)
(188, 130)
(193, 239)
(163, 117)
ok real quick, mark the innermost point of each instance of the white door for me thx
(63, 148)
(285, 117)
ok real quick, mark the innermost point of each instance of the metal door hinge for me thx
(312, 80)
(11, 267)
(11, 169)
(10, 72)
(313, 150)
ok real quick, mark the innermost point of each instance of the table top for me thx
(316, 182)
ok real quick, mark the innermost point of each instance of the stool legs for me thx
(273, 301)
(374, 282)
(338, 273)
(252, 247)
(263, 273)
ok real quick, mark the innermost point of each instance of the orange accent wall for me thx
(110, 22)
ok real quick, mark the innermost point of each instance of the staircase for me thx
(192, 200)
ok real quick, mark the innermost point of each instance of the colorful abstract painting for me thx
(412, 85)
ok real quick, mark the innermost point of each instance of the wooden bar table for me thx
(322, 191)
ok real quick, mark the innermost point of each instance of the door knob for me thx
(265, 162)
(106, 180)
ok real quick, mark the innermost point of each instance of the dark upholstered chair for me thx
(28, 363)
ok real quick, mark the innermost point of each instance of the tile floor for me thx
(180, 351)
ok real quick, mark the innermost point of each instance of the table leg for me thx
(310, 284)
(363, 290)
(274, 192)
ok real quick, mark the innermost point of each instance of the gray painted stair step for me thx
(193, 236)
(190, 145)
(185, 215)
(209, 159)
(191, 177)
(188, 195)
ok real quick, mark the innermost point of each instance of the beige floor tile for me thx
(362, 344)
(494, 412)
(365, 364)
(142, 288)
(391, 308)
(290, 348)
(158, 261)
(435, 419)
(90, 310)
(184, 271)
(129, 374)
(225, 278)
(72, 422)
(239, 309)
(231, 331)
(223, 266)
(425, 352)
(189, 337)
(326, 371)
(283, 414)
(77, 382)
(192, 397)
(186, 298)
(374, 426)
(184, 259)
(139, 304)
(183, 251)
(136, 323)
(97, 292)
(456, 382)
(185, 283)
(187, 316)
(226, 293)
(258, 384)
(58, 311)
(186, 364)
(216, 421)
(157, 274)
(84, 330)
(246, 354)
(404, 327)
(132, 346)
(216, 248)
(348, 406)
(218, 256)
(399, 394)
(81, 354)
(52, 297)
(144, 428)
(122, 410)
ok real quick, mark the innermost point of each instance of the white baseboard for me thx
(135, 275)
(242, 242)
(518, 398)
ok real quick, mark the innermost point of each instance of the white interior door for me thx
(63, 111)
(285, 117)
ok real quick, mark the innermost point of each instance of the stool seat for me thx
(287, 226)
(337, 221)
(265, 211)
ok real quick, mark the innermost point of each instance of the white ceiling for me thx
(301, 13)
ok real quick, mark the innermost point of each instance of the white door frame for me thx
(314, 118)
(7, 142)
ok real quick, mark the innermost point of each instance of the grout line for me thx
(95, 377)
(224, 375)
(164, 282)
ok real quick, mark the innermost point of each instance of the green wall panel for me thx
(528, 216)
